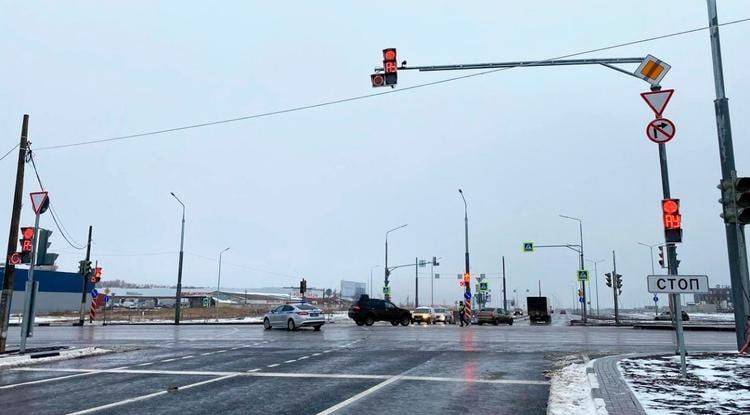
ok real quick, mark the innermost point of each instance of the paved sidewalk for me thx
(613, 389)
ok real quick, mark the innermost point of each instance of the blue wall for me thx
(49, 281)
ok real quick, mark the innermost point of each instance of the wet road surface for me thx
(342, 369)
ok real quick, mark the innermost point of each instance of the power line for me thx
(30, 157)
(9, 151)
(376, 94)
(280, 274)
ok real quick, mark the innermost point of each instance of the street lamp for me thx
(178, 296)
(653, 272)
(372, 268)
(583, 283)
(218, 285)
(387, 272)
(596, 281)
(467, 293)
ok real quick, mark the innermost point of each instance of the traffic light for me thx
(735, 200)
(672, 220)
(84, 268)
(390, 67)
(609, 279)
(377, 79)
(467, 278)
(42, 257)
(27, 244)
(97, 276)
(302, 286)
(661, 257)
(434, 261)
(618, 282)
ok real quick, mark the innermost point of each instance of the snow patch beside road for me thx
(716, 383)
(570, 392)
(11, 361)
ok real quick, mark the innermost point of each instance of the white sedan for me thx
(293, 316)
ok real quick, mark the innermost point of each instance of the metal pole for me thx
(386, 271)
(466, 258)
(736, 249)
(505, 301)
(416, 282)
(84, 282)
(28, 308)
(432, 284)
(7, 294)
(178, 295)
(614, 288)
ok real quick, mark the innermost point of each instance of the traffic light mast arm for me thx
(574, 247)
(607, 62)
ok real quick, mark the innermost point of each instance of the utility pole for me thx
(83, 281)
(505, 301)
(736, 248)
(178, 294)
(7, 294)
(467, 293)
(614, 288)
(416, 282)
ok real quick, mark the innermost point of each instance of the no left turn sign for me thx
(660, 130)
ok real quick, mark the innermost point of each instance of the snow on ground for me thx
(570, 393)
(11, 361)
(715, 317)
(716, 384)
(43, 319)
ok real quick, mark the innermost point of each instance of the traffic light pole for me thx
(83, 278)
(672, 261)
(736, 248)
(7, 294)
(614, 289)
(505, 300)
(27, 323)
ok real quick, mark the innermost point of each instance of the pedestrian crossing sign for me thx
(528, 247)
(583, 275)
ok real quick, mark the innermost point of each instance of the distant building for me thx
(351, 290)
(720, 296)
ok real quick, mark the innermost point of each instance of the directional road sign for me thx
(583, 275)
(656, 299)
(677, 284)
(660, 130)
(38, 200)
(467, 295)
(94, 293)
(437, 276)
(658, 100)
(528, 247)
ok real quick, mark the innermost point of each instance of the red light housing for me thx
(672, 220)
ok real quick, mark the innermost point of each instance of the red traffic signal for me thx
(377, 79)
(97, 275)
(27, 236)
(672, 220)
(14, 258)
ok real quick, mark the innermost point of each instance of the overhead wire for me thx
(9, 151)
(377, 94)
(242, 266)
(68, 237)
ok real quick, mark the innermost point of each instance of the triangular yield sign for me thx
(37, 200)
(658, 100)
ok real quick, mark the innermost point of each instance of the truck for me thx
(538, 311)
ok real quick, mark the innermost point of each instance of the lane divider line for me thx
(359, 396)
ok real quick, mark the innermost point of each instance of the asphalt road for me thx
(342, 369)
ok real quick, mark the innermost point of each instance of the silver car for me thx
(443, 315)
(293, 316)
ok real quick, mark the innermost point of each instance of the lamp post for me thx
(218, 285)
(583, 283)
(178, 296)
(372, 268)
(653, 271)
(596, 280)
(467, 294)
(387, 293)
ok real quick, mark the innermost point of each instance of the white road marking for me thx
(291, 361)
(303, 357)
(359, 396)
(207, 354)
(221, 351)
(327, 351)
(146, 364)
(253, 370)
(151, 395)
(316, 354)
(169, 360)
(34, 382)
(187, 357)
(234, 348)
(288, 375)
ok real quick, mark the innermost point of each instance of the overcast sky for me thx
(312, 193)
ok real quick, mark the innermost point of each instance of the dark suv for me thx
(366, 311)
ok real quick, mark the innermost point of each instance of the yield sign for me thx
(38, 200)
(658, 100)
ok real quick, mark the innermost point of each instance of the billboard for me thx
(352, 289)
